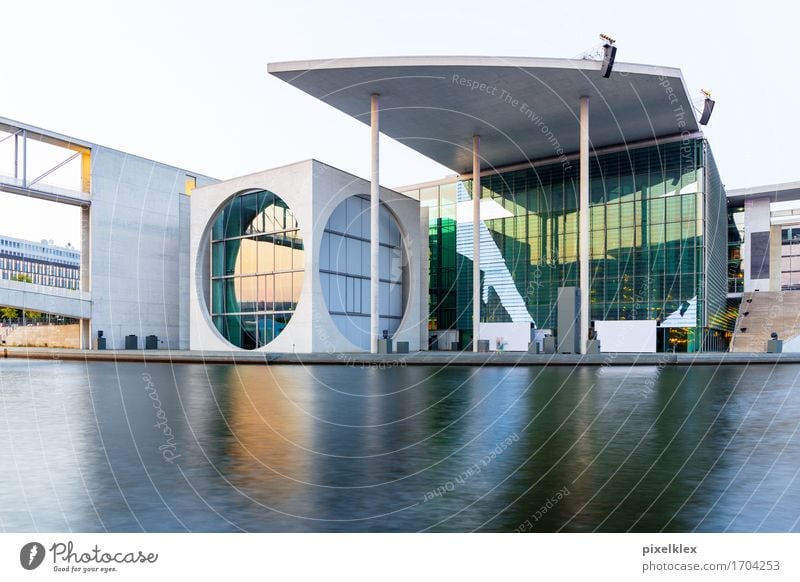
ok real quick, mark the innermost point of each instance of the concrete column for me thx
(583, 227)
(374, 243)
(16, 155)
(425, 277)
(756, 258)
(24, 159)
(184, 293)
(85, 340)
(86, 249)
(86, 272)
(476, 241)
(775, 265)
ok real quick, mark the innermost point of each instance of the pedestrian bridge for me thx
(31, 297)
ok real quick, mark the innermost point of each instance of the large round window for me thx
(344, 266)
(257, 268)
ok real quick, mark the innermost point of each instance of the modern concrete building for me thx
(764, 265)
(604, 184)
(771, 218)
(134, 272)
(280, 261)
(566, 183)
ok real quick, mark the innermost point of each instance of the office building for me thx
(565, 183)
(41, 263)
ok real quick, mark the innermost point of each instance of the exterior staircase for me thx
(493, 265)
(762, 313)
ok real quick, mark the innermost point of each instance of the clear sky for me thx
(185, 83)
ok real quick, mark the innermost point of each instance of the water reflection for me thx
(129, 447)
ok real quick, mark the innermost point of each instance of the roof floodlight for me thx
(708, 107)
(609, 54)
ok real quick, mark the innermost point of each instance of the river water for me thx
(128, 447)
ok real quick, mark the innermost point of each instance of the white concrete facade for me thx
(762, 272)
(312, 190)
(134, 266)
(136, 215)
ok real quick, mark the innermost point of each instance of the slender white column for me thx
(86, 249)
(16, 155)
(476, 241)
(583, 227)
(86, 272)
(84, 328)
(374, 243)
(24, 158)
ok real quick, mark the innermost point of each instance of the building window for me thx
(257, 268)
(345, 271)
(189, 184)
(650, 242)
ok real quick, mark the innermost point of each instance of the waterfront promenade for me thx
(400, 360)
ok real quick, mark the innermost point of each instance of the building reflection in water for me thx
(342, 448)
(268, 446)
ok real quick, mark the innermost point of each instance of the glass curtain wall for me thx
(257, 268)
(444, 269)
(720, 311)
(648, 211)
(790, 259)
(344, 265)
(735, 242)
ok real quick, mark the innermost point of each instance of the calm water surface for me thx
(128, 447)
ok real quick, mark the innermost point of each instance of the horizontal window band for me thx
(251, 313)
(257, 274)
(364, 315)
(361, 277)
(359, 238)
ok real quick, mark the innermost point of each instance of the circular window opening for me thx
(344, 267)
(257, 268)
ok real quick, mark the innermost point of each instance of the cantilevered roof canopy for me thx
(523, 108)
(785, 192)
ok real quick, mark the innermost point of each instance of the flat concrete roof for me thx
(523, 108)
(784, 192)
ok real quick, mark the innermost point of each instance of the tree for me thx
(22, 278)
(8, 313)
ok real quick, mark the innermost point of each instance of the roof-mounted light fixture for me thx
(708, 107)
(609, 54)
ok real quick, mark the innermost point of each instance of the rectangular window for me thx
(283, 292)
(189, 184)
(249, 295)
(283, 254)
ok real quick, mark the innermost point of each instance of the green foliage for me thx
(8, 313)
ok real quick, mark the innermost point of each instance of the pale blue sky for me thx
(184, 82)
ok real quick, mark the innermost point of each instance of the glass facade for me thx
(658, 244)
(40, 263)
(344, 265)
(721, 312)
(445, 262)
(257, 268)
(735, 242)
(790, 259)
